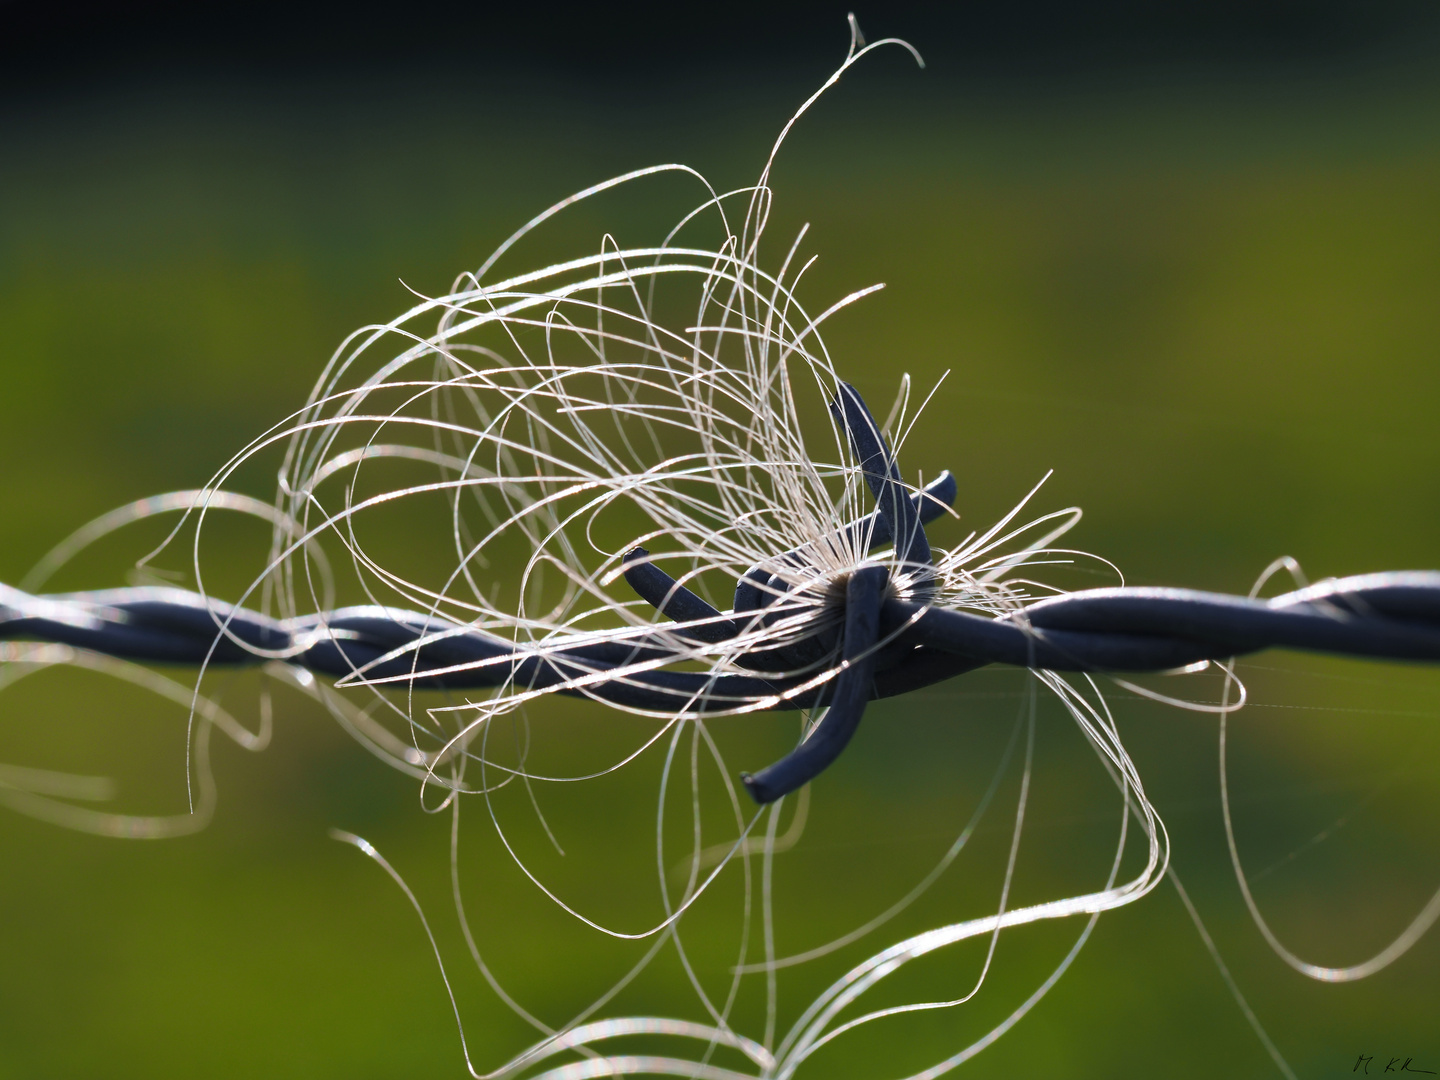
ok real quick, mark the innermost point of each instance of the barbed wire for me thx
(1394, 616)
(874, 633)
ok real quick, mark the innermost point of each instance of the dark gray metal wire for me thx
(886, 644)
(1393, 615)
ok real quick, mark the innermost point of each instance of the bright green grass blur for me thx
(1215, 314)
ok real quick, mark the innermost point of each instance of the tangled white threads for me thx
(664, 395)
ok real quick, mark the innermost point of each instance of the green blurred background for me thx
(1194, 267)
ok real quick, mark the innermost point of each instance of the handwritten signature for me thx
(1395, 1064)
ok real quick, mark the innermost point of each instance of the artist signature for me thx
(1395, 1064)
